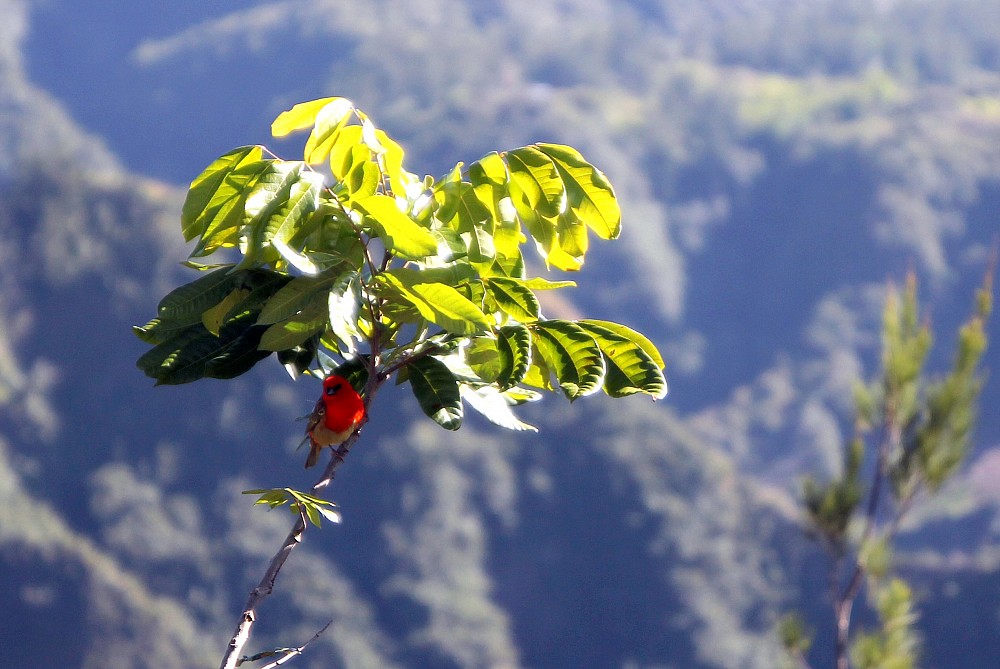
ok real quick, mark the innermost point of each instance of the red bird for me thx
(337, 414)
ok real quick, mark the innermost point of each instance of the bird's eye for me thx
(332, 390)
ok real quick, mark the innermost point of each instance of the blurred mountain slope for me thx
(770, 187)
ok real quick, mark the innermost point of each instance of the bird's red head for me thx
(344, 406)
(333, 384)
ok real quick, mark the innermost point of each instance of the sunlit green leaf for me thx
(343, 303)
(436, 389)
(273, 498)
(536, 179)
(488, 177)
(314, 508)
(514, 299)
(277, 195)
(211, 194)
(514, 348)
(399, 232)
(630, 369)
(538, 374)
(391, 163)
(630, 334)
(589, 193)
(359, 175)
(495, 407)
(571, 235)
(299, 117)
(226, 213)
(572, 355)
(447, 193)
(295, 212)
(538, 283)
(484, 359)
(328, 123)
(437, 302)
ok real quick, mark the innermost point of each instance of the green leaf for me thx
(262, 284)
(571, 235)
(343, 302)
(291, 332)
(538, 374)
(358, 174)
(212, 318)
(437, 302)
(279, 198)
(211, 190)
(159, 361)
(313, 508)
(391, 163)
(514, 348)
(436, 389)
(537, 283)
(535, 177)
(447, 192)
(238, 347)
(401, 234)
(299, 359)
(296, 211)
(514, 299)
(489, 185)
(293, 297)
(590, 195)
(186, 304)
(495, 407)
(483, 357)
(197, 353)
(330, 119)
(572, 355)
(225, 215)
(158, 331)
(299, 117)
(630, 334)
(453, 274)
(273, 497)
(630, 369)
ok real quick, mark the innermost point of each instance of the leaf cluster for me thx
(345, 255)
(310, 507)
(895, 644)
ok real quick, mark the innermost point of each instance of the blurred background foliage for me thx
(777, 162)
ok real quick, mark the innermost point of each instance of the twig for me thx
(266, 585)
(288, 653)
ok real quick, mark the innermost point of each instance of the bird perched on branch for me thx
(337, 414)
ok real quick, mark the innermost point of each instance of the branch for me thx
(844, 601)
(266, 586)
